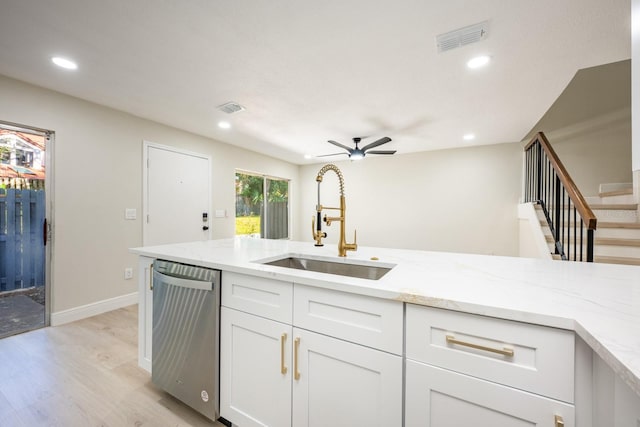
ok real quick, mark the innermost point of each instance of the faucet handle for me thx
(318, 235)
(352, 246)
(314, 232)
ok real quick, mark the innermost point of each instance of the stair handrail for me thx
(546, 182)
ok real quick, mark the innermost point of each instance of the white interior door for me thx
(177, 195)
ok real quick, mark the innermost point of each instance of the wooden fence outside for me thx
(22, 251)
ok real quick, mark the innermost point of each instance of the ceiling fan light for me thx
(356, 156)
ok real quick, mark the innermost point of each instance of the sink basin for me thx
(341, 268)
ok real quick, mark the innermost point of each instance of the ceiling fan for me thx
(359, 153)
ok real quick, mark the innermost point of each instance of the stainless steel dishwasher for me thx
(186, 334)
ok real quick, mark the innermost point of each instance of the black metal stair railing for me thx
(547, 183)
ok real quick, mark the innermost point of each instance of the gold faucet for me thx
(316, 227)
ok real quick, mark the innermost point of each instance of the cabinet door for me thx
(344, 384)
(145, 313)
(255, 371)
(437, 397)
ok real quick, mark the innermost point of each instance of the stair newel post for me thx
(539, 172)
(557, 207)
(525, 177)
(589, 245)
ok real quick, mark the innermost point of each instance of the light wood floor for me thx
(84, 374)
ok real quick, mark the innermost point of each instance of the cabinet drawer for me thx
(369, 321)
(256, 295)
(438, 397)
(542, 361)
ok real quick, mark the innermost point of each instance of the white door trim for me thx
(145, 181)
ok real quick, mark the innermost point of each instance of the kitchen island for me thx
(599, 302)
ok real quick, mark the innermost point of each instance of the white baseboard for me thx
(93, 309)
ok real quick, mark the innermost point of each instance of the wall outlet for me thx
(128, 273)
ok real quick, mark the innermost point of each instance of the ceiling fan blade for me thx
(382, 152)
(337, 144)
(334, 154)
(374, 144)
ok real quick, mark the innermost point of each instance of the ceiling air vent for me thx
(463, 36)
(231, 107)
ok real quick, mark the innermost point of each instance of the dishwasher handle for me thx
(182, 282)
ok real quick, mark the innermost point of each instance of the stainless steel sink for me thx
(359, 270)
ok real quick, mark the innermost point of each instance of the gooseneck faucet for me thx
(316, 226)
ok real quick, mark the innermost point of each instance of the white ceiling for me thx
(308, 71)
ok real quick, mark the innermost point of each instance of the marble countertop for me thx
(600, 302)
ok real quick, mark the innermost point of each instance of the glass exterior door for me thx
(23, 230)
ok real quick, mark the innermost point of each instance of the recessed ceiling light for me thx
(224, 125)
(64, 63)
(308, 156)
(469, 137)
(478, 61)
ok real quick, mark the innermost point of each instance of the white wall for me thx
(531, 236)
(459, 200)
(98, 173)
(596, 151)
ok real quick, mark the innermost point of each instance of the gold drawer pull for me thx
(296, 345)
(505, 351)
(559, 421)
(283, 340)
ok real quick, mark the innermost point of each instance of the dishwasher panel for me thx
(186, 334)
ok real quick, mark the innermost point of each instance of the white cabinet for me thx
(255, 350)
(145, 312)
(267, 298)
(255, 370)
(437, 397)
(341, 384)
(615, 404)
(373, 322)
(277, 370)
(464, 369)
(626, 406)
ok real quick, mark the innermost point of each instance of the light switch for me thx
(130, 213)
(221, 213)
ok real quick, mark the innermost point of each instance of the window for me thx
(256, 218)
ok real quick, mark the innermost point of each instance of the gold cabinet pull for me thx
(296, 345)
(504, 351)
(283, 340)
(559, 421)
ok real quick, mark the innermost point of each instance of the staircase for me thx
(617, 237)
